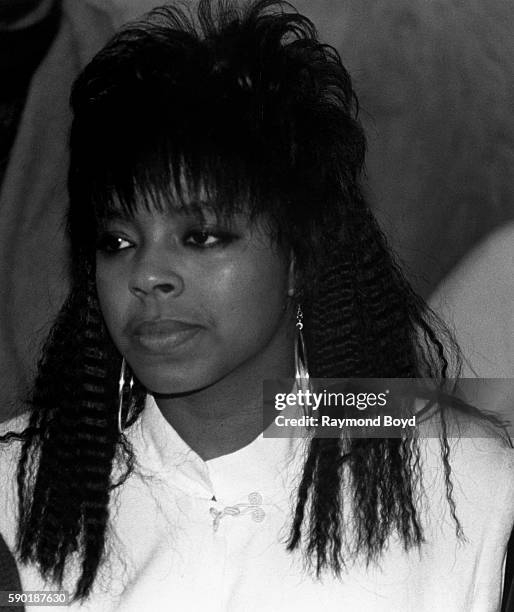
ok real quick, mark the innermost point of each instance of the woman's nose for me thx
(154, 275)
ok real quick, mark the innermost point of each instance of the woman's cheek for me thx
(112, 300)
(252, 293)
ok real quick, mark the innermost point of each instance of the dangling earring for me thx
(121, 388)
(300, 358)
(300, 355)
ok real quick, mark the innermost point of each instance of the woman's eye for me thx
(110, 243)
(208, 238)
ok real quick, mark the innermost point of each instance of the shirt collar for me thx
(263, 466)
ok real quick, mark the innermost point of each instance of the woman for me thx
(215, 212)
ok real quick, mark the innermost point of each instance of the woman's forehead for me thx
(197, 210)
(201, 211)
(198, 199)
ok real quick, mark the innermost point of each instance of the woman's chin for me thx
(176, 384)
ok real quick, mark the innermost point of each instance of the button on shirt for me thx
(192, 535)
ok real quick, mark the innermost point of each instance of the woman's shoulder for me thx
(454, 419)
(10, 433)
(10, 447)
(482, 479)
(480, 456)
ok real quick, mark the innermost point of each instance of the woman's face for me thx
(188, 300)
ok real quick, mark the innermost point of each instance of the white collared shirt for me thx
(190, 535)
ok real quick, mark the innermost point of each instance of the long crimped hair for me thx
(243, 104)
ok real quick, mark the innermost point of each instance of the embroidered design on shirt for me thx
(253, 507)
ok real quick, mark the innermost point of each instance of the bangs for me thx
(177, 163)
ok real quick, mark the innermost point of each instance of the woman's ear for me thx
(291, 276)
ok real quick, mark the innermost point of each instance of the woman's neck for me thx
(228, 415)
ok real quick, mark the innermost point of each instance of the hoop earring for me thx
(121, 389)
(302, 377)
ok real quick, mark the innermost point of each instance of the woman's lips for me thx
(163, 335)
